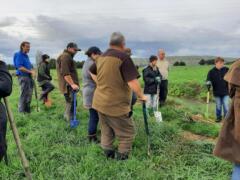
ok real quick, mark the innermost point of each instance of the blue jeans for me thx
(236, 172)
(222, 102)
(93, 122)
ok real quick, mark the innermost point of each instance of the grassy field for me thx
(57, 152)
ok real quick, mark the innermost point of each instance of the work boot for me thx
(122, 156)
(109, 154)
(219, 119)
(93, 138)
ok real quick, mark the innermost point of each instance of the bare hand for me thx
(33, 73)
(75, 87)
(143, 98)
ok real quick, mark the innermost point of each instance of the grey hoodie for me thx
(89, 85)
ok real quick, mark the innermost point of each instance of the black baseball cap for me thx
(93, 50)
(73, 45)
(45, 56)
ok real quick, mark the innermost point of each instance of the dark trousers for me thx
(26, 85)
(93, 122)
(163, 91)
(69, 108)
(46, 89)
(3, 130)
(134, 100)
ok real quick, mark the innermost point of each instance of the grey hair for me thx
(117, 39)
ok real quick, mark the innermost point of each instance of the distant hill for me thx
(189, 60)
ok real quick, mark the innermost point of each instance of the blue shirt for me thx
(21, 59)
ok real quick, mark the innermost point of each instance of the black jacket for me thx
(5, 81)
(220, 86)
(5, 90)
(149, 77)
(44, 72)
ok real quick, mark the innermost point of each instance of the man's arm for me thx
(31, 72)
(130, 75)
(135, 87)
(94, 77)
(69, 80)
(19, 65)
(65, 71)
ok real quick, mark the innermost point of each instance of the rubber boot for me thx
(93, 138)
(122, 156)
(109, 154)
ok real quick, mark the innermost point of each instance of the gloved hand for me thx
(158, 79)
(208, 84)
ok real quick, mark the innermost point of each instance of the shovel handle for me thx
(24, 160)
(208, 97)
(145, 118)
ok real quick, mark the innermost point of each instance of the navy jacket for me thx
(220, 86)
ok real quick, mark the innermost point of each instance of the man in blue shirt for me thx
(25, 73)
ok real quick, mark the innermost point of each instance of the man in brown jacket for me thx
(228, 145)
(116, 77)
(68, 77)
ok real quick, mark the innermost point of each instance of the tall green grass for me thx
(57, 152)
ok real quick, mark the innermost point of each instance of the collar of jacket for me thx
(66, 51)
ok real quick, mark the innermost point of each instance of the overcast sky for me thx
(182, 27)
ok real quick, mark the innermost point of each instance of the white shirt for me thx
(163, 66)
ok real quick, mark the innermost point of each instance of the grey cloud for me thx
(7, 21)
(143, 35)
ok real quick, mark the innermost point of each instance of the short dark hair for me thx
(218, 59)
(93, 50)
(45, 56)
(23, 44)
(153, 58)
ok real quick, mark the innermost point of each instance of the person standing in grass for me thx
(116, 77)
(5, 90)
(163, 66)
(68, 77)
(25, 73)
(152, 78)
(134, 96)
(44, 79)
(89, 87)
(228, 144)
(215, 78)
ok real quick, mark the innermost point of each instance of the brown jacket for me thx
(66, 66)
(228, 145)
(114, 69)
